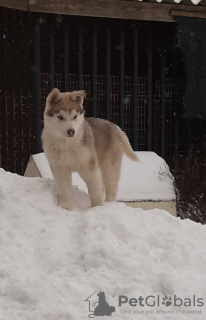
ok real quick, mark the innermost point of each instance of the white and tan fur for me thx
(92, 147)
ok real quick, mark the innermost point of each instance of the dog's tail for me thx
(127, 147)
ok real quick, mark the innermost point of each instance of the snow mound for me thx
(52, 260)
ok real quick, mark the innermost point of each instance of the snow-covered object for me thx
(179, 1)
(52, 260)
(148, 180)
(194, 1)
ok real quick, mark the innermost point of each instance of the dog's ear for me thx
(78, 97)
(53, 96)
(51, 100)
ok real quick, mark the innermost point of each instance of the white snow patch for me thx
(179, 1)
(51, 259)
(196, 1)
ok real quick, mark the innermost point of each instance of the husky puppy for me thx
(90, 146)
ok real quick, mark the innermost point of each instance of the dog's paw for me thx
(110, 198)
(97, 203)
(66, 205)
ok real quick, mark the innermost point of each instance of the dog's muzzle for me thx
(70, 132)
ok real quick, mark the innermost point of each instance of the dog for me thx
(92, 147)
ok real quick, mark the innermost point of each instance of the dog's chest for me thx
(69, 154)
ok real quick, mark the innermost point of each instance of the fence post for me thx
(175, 108)
(80, 58)
(121, 76)
(149, 87)
(108, 73)
(94, 69)
(51, 53)
(66, 55)
(162, 94)
(37, 86)
(135, 92)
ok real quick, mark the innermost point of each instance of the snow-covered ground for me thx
(52, 260)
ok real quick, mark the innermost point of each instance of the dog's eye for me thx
(60, 117)
(75, 116)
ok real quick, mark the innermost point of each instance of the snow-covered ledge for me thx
(146, 185)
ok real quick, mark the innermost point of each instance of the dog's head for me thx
(64, 112)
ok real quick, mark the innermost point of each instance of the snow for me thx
(52, 260)
(196, 1)
(148, 180)
(179, 1)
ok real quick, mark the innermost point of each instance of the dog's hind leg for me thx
(93, 180)
(63, 186)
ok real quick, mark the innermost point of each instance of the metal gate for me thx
(129, 70)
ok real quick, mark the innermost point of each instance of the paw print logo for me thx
(167, 301)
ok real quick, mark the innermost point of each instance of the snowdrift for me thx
(52, 260)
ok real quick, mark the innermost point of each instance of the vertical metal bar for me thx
(37, 85)
(9, 99)
(25, 90)
(175, 108)
(162, 94)
(80, 60)
(66, 55)
(2, 89)
(30, 84)
(6, 81)
(51, 54)
(121, 77)
(17, 92)
(94, 70)
(135, 92)
(12, 69)
(108, 73)
(149, 87)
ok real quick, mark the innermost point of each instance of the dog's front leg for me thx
(93, 179)
(63, 186)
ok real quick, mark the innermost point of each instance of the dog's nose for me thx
(71, 132)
